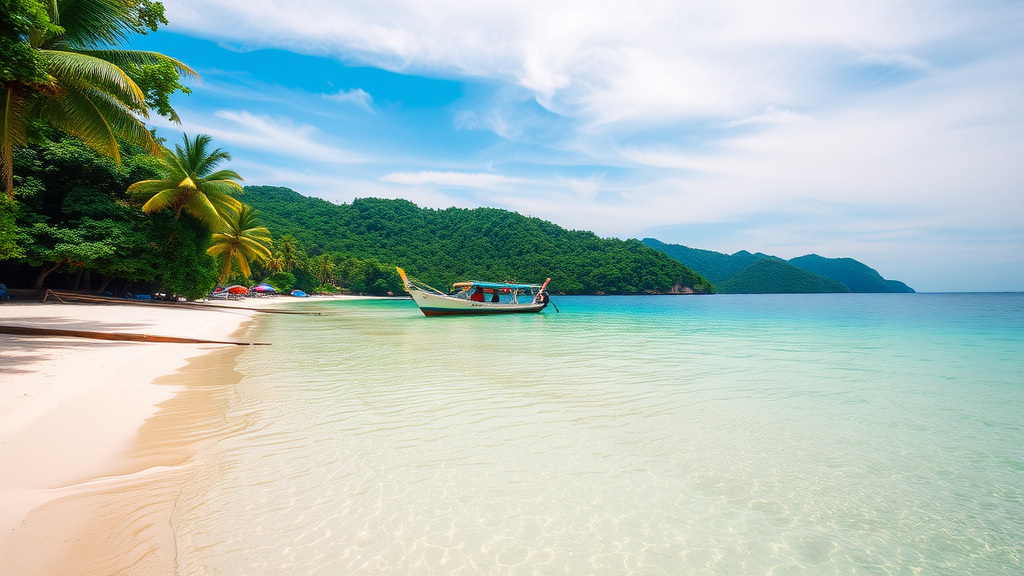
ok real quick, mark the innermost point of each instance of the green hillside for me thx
(898, 286)
(857, 276)
(443, 246)
(774, 276)
(714, 266)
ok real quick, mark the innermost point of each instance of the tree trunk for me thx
(43, 273)
(78, 279)
(88, 281)
(106, 280)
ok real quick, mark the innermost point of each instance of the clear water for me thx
(783, 434)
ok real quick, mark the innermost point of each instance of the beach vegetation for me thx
(73, 218)
(64, 66)
(189, 179)
(281, 281)
(240, 240)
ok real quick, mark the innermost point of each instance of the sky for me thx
(887, 131)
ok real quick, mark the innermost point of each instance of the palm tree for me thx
(291, 252)
(190, 181)
(82, 86)
(323, 268)
(240, 241)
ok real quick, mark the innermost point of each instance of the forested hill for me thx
(856, 275)
(774, 276)
(714, 266)
(440, 247)
(822, 274)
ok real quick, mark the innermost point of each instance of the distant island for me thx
(440, 247)
(746, 273)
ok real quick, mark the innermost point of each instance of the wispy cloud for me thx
(771, 115)
(356, 96)
(480, 180)
(278, 135)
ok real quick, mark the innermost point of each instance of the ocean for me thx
(727, 434)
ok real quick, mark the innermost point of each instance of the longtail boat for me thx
(478, 298)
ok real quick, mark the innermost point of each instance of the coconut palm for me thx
(240, 241)
(81, 85)
(190, 181)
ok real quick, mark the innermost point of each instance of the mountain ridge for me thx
(441, 246)
(721, 268)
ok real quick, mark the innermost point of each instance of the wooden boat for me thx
(478, 298)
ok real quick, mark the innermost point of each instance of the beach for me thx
(96, 435)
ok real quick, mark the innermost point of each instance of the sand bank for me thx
(95, 436)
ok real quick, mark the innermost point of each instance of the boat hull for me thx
(437, 305)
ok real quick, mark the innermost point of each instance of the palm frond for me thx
(200, 206)
(224, 175)
(160, 200)
(73, 67)
(243, 264)
(95, 23)
(149, 187)
(127, 58)
(218, 248)
(12, 133)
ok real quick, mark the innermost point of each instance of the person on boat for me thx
(477, 295)
(495, 299)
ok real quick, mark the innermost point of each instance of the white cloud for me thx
(356, 96)
(607, 61)
(771, 115)
(281, 136)
(463, 179)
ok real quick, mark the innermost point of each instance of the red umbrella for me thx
(236, 289)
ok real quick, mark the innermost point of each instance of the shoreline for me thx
(96, 436)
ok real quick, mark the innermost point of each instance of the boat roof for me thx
(495, 285)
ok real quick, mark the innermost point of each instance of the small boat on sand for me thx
(478, 298)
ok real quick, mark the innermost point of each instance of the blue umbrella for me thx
(264, 288)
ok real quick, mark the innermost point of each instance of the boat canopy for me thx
(495, 285)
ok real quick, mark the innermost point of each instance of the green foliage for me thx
(184, 268)
(443, 246)
(368, 276)
(857, 276)
(158, 82)
(282, 281)
(76, 78)
(12, 238)
(774, 276)
(19, 63)
(74, 214)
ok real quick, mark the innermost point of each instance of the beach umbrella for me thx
(298, 293)
(236, 289)
(264, 288)
(218, 290)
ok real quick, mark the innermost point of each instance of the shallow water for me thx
(782, 434)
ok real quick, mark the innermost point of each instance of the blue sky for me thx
(888, 132)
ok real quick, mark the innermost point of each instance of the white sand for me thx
(70, 408)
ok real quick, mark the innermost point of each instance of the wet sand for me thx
(96, 436)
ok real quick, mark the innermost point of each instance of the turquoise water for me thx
(782, 434)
